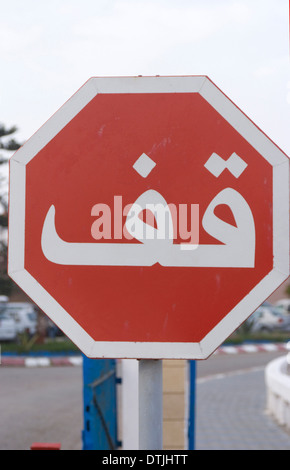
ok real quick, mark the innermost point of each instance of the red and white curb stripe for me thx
(78, 360)
(252, 348)
(41, 361)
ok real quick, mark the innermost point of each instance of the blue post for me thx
(192, 400)
(99, 404)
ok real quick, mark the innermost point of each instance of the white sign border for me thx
(237, 119)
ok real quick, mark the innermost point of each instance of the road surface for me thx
(45, 405)
(40, 405)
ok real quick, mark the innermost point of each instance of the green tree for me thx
(7, 145)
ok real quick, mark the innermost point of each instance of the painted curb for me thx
(252, 348)
(40, 361)
(43, 361)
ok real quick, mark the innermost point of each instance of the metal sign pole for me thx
(150, 405)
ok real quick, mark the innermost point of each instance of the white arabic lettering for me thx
(156, 244)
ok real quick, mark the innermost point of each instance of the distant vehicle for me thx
(24, 315)
(268, 318)
(8, 330)
(283, 305)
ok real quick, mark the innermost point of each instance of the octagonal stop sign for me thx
(81, 190)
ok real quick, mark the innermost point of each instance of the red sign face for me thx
(169, 291)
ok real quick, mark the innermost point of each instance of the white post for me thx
(130, 404)
(150, 405)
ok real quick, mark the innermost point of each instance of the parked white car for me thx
(24, 314)
(8, 330)
(268, 318)
(283, 305)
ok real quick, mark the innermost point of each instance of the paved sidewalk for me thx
(231, 415)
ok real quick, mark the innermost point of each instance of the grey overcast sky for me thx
(49, 49)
